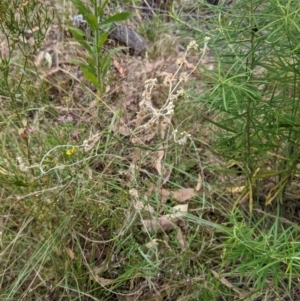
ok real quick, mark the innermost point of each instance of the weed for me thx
(97, 64)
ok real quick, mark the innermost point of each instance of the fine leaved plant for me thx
(254, 90)
(251, 100)
(17, 18)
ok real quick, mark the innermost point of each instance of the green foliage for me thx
(252, 101)
(258, 252)
(16, 19)
(96, 68)
(254, 88)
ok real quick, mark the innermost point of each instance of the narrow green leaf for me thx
(296, 49)
(105, 65)
(79, 35)
(91, 64)
(224, 98)
(102, 40)
(20, 183)
(118, 17)
(76, 32)
(110, 131)
(92, 22)
(83, 9)
(220, 125)
(101, 9)
(89, 76)
(75, 61)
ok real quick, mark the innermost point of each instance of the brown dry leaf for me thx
(228, 284)
(162, 223)
(92, 141)
(237, 189)
(136, 158)
(190, 65)
(167, 174)
(151, 188)
(178, 210)
(22, 133)
(167, 222)
(181, 239)
(180, 195)
(70, 253)
(121, 128)
(199, 183)
(102, 281)
(90, 173)
(57, 252)
(150, 66)
(149, 137)
(119, 68)
(159, 155)
(130, 103)
(165, 194)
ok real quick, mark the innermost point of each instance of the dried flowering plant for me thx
(150, 119)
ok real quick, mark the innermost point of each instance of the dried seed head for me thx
(168, 79)
(141, 114)
(146, 95)
(151, 244)
(133, 192)
(149, 208)
(173, 97)
(21, 164)
(152, 123)
(192, 45)
(180, 93)
(206, 40)
(150, 83)
(170, 108)
(184, 137)
(181, 61)
(184, 77)
(138, 206)
(135, 141)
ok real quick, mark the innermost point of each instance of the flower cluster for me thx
(68, 117)
(183, 139)
(71, 151)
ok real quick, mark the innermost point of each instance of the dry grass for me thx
(122, 196)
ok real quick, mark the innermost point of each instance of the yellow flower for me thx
(71, 151)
